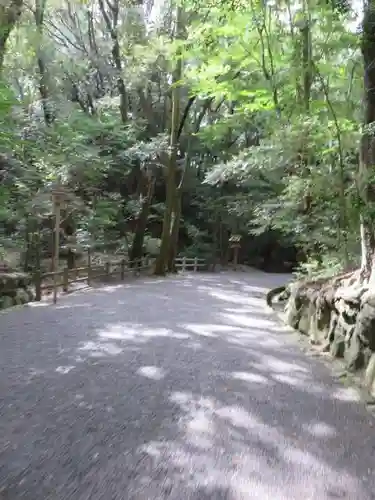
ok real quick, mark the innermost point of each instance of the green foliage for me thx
(330, 265)
(290, 145)
(269, 141)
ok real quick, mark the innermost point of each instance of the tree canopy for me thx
(188, 121)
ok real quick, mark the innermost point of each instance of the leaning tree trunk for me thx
(10, 11)
(367, 152)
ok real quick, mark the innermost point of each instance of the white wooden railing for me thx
(190, 264)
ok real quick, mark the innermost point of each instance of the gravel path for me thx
(183, 388)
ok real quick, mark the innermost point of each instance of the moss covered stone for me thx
(339, 315)
(15, 289)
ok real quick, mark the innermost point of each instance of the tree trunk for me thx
(70, 230)
(111, 21)
(162, 259)
(175, 231)
(367, 244)
(10, 12)
(307, 59)
(136, 250)
(48, 113)
(307, 79)
(28, 245)
(367, 153)
(224, 245)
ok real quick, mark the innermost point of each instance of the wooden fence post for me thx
(122, 269)
(89, 270)
(38, 285)
(66, 279)
(183, 264)
(195, 264)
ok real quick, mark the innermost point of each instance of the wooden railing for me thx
(62, 279)
(190, 264)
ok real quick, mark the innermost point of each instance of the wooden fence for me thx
(63, 279)
(190, 264)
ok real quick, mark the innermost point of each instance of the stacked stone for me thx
(339, 315)
(15, 289)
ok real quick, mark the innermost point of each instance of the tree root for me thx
(273, 293)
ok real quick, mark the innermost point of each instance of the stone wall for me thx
(15, 289)
(338, 316)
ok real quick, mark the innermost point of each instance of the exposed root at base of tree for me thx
(275, 292)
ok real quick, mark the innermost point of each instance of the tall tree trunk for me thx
(147, 193)
(70, 231)
(307, 79)
(10, 12)
(367, 246)
(48, 113)
(162, 259)
(224, 245)
(111, 21)
(307, 58)
(175, 229)
(367, 153)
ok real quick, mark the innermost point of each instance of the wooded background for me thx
(175, 124)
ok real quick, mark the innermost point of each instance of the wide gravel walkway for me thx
(183, 388)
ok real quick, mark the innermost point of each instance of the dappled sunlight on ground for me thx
(248, 320)
(251, 378)
(100, 348)
(180, 388)
(70, 306)
(151, 372)
(274, 364)
(208, 330)
(234, 297)
(320, 429)
(137, 333)
(346, 394)
(232, 449)
(64, 369)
